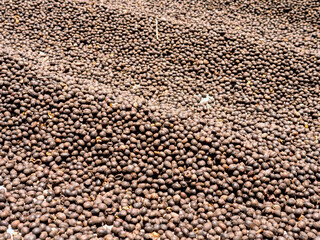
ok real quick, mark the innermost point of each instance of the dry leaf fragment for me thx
(50, 115)
(155, 235)
(259, 231)
(16, 18)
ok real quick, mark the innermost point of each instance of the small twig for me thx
(157, 32)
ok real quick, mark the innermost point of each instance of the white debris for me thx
(108, 227)
(3, 187)
(136, 86)
(11, 231)
(206, 99)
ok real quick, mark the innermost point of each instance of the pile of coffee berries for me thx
(159, 120)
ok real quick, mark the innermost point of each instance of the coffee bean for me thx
(135, 121)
